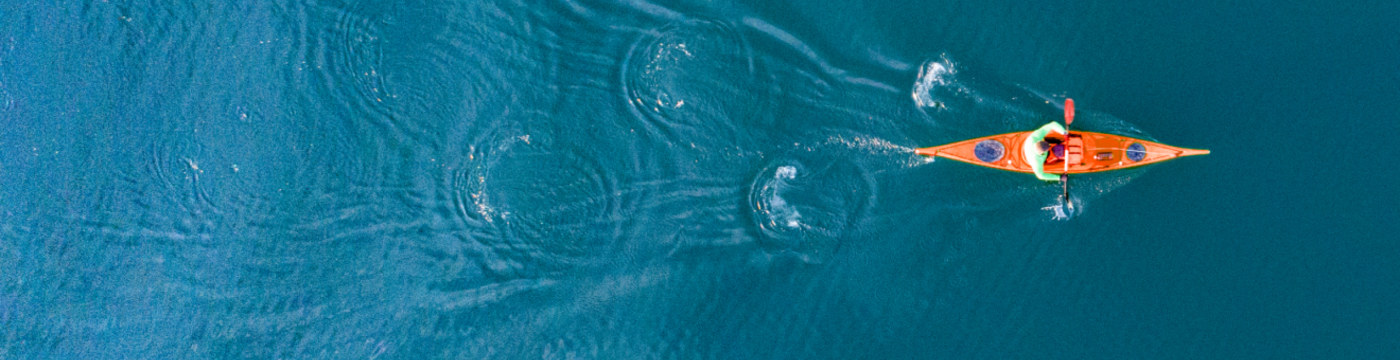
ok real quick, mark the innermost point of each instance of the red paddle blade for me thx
(1069, 111)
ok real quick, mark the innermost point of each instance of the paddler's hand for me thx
(1064, 177)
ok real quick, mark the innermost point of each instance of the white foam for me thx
(933, 74)
(785, 172)
(781, 210)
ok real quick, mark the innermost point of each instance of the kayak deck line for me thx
(1086, 152)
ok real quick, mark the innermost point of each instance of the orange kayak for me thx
(1086, 152)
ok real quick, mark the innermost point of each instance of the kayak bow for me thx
(1086, 152)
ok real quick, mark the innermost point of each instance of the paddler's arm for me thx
(1038, 163)
(1039, 168)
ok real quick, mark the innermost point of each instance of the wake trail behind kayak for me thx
(875, 149)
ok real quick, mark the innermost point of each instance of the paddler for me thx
(1036, 149)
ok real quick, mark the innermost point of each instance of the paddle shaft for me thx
(1069, 118)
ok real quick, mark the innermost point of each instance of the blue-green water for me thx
(691, 179)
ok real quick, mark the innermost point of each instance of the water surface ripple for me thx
(504, 179)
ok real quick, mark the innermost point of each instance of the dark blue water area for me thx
(691, 179)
